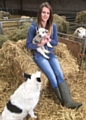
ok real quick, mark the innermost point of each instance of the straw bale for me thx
(10, 32)
(1, 14)
(11, 24)
(14, 34)
(21, 33)
(68, 62)
(4, 14)
(62, 24)
(3, 38)
(15, 59)
(81, 17)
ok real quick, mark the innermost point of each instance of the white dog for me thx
(41, 32)
(24, 99)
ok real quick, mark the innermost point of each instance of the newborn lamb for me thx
(37, 39)
(24, 99)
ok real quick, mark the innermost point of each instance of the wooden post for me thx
(1, 28)
(83, 51)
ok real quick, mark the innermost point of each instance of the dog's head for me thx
(42, 32)
(33, 80)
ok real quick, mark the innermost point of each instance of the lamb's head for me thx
(33, 80)
(80, 32)
(42, 32)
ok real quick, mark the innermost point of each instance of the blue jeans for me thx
(51, 68)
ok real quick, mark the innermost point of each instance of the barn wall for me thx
(1, 4)
(68, 6)
(31, 5)
(12, 4)
(59, 6)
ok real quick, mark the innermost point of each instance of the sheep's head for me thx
(80, 32)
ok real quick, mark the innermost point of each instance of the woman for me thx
(51, 66)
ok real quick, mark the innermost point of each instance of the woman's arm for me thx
(30, 36)
(54, 36)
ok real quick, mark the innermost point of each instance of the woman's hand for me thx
(45, 40)
(48, 37)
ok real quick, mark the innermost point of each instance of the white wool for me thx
(41, 33)
(80, 32)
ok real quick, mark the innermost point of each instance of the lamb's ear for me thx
(37, 32)
(78, 31)
(26, 75)
(46, 31)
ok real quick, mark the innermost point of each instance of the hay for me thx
(3, 38)
(15, 34)
(21, 33)
(4, 14)
(10, 24)
(68, 62)
(15, 59)
(81, 17)
(62, 24)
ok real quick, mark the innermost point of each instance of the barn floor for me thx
(15, 59)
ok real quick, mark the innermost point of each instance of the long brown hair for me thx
(50, 21)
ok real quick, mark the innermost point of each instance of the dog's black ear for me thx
(26, 75)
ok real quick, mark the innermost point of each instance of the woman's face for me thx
(45, 14)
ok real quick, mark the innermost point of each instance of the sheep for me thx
(25, 19)
(41, 32)
(23, 101)
(5, 18)
(80, 33)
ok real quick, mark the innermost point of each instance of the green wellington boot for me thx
(57, 92)
(67, 101)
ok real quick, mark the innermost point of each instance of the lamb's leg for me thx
(49, 45)
(44, 50)
(31, 113)
(40, 50)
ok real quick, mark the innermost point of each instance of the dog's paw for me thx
(34, 116)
